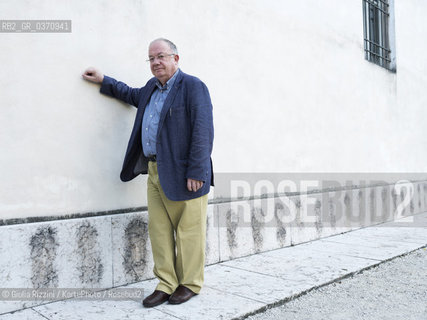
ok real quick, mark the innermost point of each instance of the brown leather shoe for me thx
(181, 294)
(156, 298)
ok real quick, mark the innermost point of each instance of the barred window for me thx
(376, 27)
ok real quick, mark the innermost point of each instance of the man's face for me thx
(162, 69)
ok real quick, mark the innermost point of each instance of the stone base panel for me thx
(114, 250)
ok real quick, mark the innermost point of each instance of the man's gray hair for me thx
(171, 45)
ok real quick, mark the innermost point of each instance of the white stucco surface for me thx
(290, 87)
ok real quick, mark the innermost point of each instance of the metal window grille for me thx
(376, 32)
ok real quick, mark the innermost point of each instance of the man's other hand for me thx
(93, 75)
(194, 185)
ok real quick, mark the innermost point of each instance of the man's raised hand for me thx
(93, 75)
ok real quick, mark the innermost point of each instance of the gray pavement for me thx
(241, 287)
(396, 289)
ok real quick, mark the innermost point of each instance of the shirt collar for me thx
(168, 83)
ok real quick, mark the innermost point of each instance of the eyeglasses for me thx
(160, 57)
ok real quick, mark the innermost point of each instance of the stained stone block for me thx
(392, 206)
(377, 199)
(307, 221)
(251, 226)
(132, 256)
(281, 223)
(408, 200)
(270, 225)
(212, 237)
(418, 202)
(423, 195)
(55, 254)
(331, 209)
(354, 206)
(131, 247)
(417, 198)
(84, 256)
(235, 230)
(16, 251)
(357, 208)
(351, 212)
(17, 268)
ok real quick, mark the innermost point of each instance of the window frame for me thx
(378, 32)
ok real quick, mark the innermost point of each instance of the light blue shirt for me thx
(150, 121)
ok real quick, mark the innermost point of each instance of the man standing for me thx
(172, 140)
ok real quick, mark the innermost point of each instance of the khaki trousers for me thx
(178, 237)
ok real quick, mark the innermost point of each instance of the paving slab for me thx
(376, 249)
(259, 287)
(401, 234)
(308, 268)
(376, 240)
(378, 234)
(212, 304)
(26, 314)
(100, 309)
(9, 306)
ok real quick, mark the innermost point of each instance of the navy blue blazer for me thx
(184, 136)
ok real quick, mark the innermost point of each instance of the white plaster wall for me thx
(288, 79)
(62, 142)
